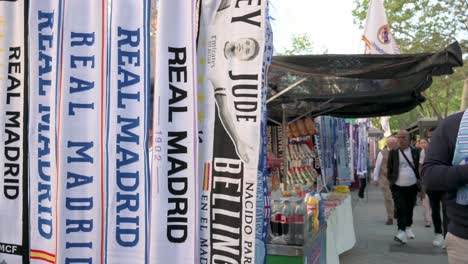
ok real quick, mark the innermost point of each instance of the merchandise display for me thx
(301, 204)
(167, 132)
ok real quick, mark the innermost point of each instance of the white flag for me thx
(81, 132)
(127, 168)
(379, 40)
(174, 216)
(377, 35)
(13, 180)
(44, 41)
(385, 123)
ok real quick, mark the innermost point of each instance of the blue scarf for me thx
(461, 156)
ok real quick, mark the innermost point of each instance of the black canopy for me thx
(354, 85)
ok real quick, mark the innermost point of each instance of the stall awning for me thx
(354, 85)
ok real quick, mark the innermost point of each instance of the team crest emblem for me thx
(383, 35)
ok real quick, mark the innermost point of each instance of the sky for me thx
(329, 24)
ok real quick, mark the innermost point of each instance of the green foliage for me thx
(301, 45)
(421, 26)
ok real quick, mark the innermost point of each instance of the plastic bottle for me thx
(275, 220)
(321, 210)
(317, 199)
(287, 214)
(309, 210)
(299, 220)
(312, 212)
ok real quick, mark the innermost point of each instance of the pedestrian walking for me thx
(445, 169)
(422, 194)
(437, 201)
(403, 175)
(380, 177)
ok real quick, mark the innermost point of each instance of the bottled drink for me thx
(316, 212)
(286, 219)
(275, 220)
(312, 212)
(299, 219)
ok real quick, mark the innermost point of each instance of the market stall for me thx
(104, 162)
(315, 156)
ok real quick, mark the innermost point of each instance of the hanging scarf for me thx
(127, 122)
(362, 150)
(230, 99)
(14, 225)
(81, 133)
(174, 214)
(342, 154)
(263, 216)
(461, 156)
(44, 44)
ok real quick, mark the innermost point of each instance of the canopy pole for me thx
(274, 121)
(285, 142)
(286, 90)
(320, 106)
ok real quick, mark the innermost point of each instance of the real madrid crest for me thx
(383, 35)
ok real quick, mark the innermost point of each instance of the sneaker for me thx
(389, 221)
(428, 224)
(409, 233)
(401, 237)
(438, 240)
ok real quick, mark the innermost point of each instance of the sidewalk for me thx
(375, 243)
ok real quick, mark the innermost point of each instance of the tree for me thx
(421, 26)
(301, 45)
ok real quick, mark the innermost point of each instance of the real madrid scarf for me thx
(81, 133)
(263, 216)
(174, 200)
(126, 210)
(44, 45)
(14, 224)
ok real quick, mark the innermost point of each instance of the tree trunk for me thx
(448, 97)
(434, 109)
(464, 99)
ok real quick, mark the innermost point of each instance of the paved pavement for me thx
(375, 243)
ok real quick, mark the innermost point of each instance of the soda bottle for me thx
(275, 219)
(299, 220)
(286, 217)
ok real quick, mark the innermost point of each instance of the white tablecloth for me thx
(340, 231)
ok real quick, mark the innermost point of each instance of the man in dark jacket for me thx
(403, 175)
(441, 175)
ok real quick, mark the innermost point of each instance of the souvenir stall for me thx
(309, 189)
(314, 152)
(104, 163)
